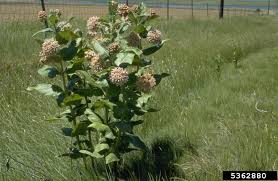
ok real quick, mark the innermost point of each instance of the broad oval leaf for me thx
(72, 99)
(92, 116)
(159, 77)
(111, 157)
(124, 58)
(94, 155)
(80, 128)
(67, 131)
(47, 89)
(101, 147)
(48, 71)
(135, 143)
(69, 51)
(103, 53)
(102, 128)
(153, 49)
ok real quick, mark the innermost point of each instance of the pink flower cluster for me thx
(118, 76)
(154, 36)
(146, 82)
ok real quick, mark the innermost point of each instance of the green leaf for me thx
(111, 157)
(47, 89)
(102, 128)
(74, 66)
(103, 103)
(102, 83)
(141, 29)
(126, 126)
(132, 18)
(143, 100)
(65, 36)
(90, 91)
(53, 19)
(73, 154)
(135, 143)
(67, 131)
(123, 58)
(93, 117)
(72, 99)
(134, 50)
(153, 49)
(94, 155)
(103, 53)
(80, 128)
(43, 31)
(101, 147)
(123, 27)
(159, 77)
(70, 51)
(48, 71)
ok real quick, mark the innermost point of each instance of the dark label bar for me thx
(249, 175)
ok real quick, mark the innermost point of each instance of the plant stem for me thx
(72, 114)
(89, 131)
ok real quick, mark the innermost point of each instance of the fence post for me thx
(207, 9)
(192, 9)
(221, 10)
(168, 4)
(43, 8)
(126, 2)
(268, 7)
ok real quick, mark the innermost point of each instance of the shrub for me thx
(106, 78)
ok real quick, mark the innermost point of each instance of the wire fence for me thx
(27, 9)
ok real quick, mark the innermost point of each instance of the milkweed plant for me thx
(106, 78)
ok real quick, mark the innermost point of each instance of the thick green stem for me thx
(72, 114)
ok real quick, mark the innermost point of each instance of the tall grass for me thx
(208, 120)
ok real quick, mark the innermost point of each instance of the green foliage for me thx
(106, 100)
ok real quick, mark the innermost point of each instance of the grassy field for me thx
(214, 116)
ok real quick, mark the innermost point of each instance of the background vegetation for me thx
(214, 116)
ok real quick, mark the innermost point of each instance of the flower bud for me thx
(133, 39)
(113, 48)
(96, 64)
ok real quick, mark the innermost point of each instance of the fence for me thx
(27, 9)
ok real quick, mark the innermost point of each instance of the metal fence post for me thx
(192, 13)
(207, 9)
(168, 4)
(126, 2)
(43, 8)
(221, 10)
(268, 7)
